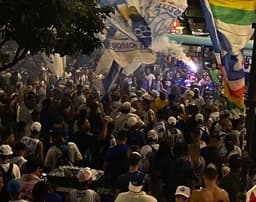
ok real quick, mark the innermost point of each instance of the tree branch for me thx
(15, 60)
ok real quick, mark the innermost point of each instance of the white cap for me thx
(189, 92)
(172, 120)
(5, 150)
(84, 174)
(132, 121)
(199, 116)
(153, 134)
(126, 105)
(35, 126)
(154, 93)
(183, 191)
(148, 97)
(134, 99)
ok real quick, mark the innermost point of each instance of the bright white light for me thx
(192, 66)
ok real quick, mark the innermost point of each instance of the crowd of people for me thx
(158, 136)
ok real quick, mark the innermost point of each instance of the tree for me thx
(67, 27)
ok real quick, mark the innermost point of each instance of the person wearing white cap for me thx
(33, 143)
(79, 98)
(135, 103)
(134, 135)
(148, 114)
(182, 194)
(152, 144)
(135, 193)
(204, 131)
(198, 100)
(127, 111)
(83, 193)
(5, 164)
(174, 133)
(188, 97)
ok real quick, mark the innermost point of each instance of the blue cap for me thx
(137, 178)
(13, 186)
(53, 197)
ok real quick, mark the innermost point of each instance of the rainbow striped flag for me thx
(230, 25)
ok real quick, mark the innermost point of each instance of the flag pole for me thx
(251, 105)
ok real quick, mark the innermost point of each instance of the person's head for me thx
(20, 149)
(132, 122)
(158, 77)
(83, 124)
(121, 137)
(39, 191)
(210, 175)
(125, 107)
(182, 194)
(148, 71)
(237, 124)
(163, 94)
(5, 153)
(229, 143)
(226, 125)
(30, 100)
(84, 177)
(115, 96)
(199, 119)
(146, 104)
(35, 128)
(152, 136)
(57, 136)
(34, 166)
(134, 160)
(135, 102)
(7, 136)
(136, 182)
(196, 92)
(172, 121)
(14, 188)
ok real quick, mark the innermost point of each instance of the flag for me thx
(111, 78)
(230, 26)
(251, 195)
(134, 27)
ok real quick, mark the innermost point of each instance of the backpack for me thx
(63, 159)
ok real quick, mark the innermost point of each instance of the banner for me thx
(135, 26)
(230, 27)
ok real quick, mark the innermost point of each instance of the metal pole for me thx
(251, 105)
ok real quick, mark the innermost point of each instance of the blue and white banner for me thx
(134, 29)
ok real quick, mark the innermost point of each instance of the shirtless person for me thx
(211, 192)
